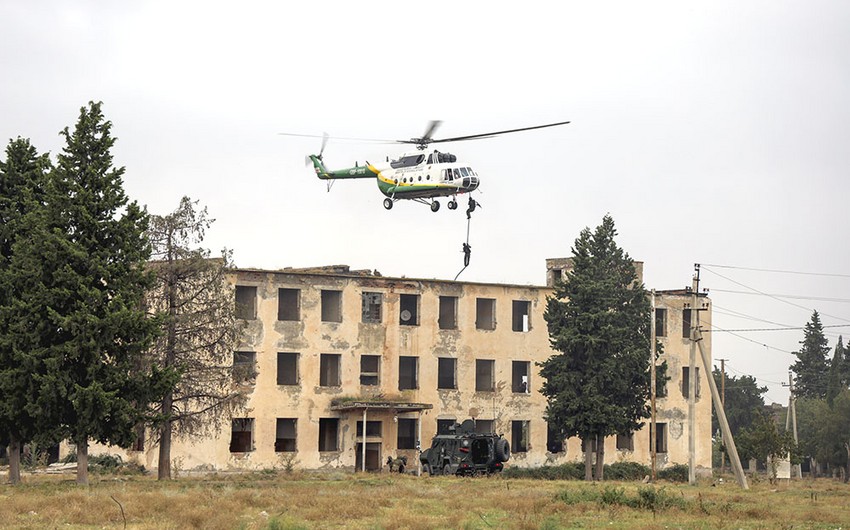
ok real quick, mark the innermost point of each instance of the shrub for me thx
(626, 471)
(568, 471)
(577, 496)
(674, 473)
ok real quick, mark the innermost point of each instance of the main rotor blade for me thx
(374, 140)
(496, 133)
(430, 130)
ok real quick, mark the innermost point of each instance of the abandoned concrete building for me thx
(345, 368)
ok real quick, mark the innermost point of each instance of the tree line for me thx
(106, 312)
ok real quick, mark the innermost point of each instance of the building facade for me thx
(346, 368)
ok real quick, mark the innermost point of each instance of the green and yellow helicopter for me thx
(419, 175)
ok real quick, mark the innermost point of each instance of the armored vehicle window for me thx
(485, 313)
(446, 373)
(331, 306)
(242, 435)
(287, 368)
(519, 436)
(519, 378)
(408, 310)
(408, 373)
(371, 307)
(370, 370)
(328, 434)
(485, 375)
(443, 426)
(406, 433)
(521, 310)
(246, 302)
(289, 304)
(448, 312)
(626, 442)
(285, 435)
(554, 443)
(329, 369)
(660, 322)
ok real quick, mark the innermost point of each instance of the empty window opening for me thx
(287, 368)
(485, 313)
(519, 377)
(686, 381)
(557, 276)
(661, 380)
(589, 445)
(660, 322)
(554, 442)
(445, 426)
(407, 428)
(244, 366)
(485, 375)
(446, 373)
(246, 302)
(285, 435)
(686, 323)
(521, 310)
(370, 370)
(371, 307)
(660, 437)
(626, 442)
(289, 304)
(484, 426)
(373, 428)
(373, 457)
(331, 306)
(408, 310)
(408, 373)
(242, 435)
(328, 434)
(448, 312)
(329, 369)
(519, 436)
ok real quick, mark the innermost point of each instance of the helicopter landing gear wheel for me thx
(435, 206)
(452, 204)
(388, 204)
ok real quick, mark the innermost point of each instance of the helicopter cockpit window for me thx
(457, 173)
(471, 173)
(463, 172)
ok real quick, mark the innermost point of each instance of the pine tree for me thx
(599, 322)
(90, 260)
(836, 381)
(812, 366)
(199, 332)
(23, 180)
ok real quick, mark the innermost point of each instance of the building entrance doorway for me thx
(373, 456)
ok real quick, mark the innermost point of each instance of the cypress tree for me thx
(812, 365)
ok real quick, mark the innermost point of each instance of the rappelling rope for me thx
(467, 249)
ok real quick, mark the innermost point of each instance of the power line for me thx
(792, 296)
(777, 271)
(753, 341)
(797, 328)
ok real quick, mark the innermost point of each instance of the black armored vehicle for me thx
(462, 451)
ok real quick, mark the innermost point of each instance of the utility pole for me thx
(791, 418)
(715, 396)
(692, 386)
(652, 384)
(723, 403)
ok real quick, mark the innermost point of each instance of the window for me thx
(660, 322)
(373, 429)
(660, 437)
(557, 276)
(329, 369)
(588, 443)
(331, 306)
(686, 323)
(686, 381)
(485, 313)
(661, 380)
(328, 434)
(371, 307)
(370, 370)
(408, 310)
(408, 373)
(521, 310)
(554, 442)
(289, 304)
(448, 312)
(519, 379)
(287, 368)
(485, 375)
(244, 365)
(445, 426)
(407, 428)
(285, 435)
(484, 426)
(246, 302)
(446, 373)
(626, 442)
(519, 436)
(241, 435)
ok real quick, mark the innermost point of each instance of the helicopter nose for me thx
(470, 183)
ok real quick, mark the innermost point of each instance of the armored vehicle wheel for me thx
(503, 450)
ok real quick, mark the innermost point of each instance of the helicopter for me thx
(418, 175)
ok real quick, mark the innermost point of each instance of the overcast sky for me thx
(714, 132)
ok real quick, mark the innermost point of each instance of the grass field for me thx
(383, 501)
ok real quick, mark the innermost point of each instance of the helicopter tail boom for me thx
(356, 172)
